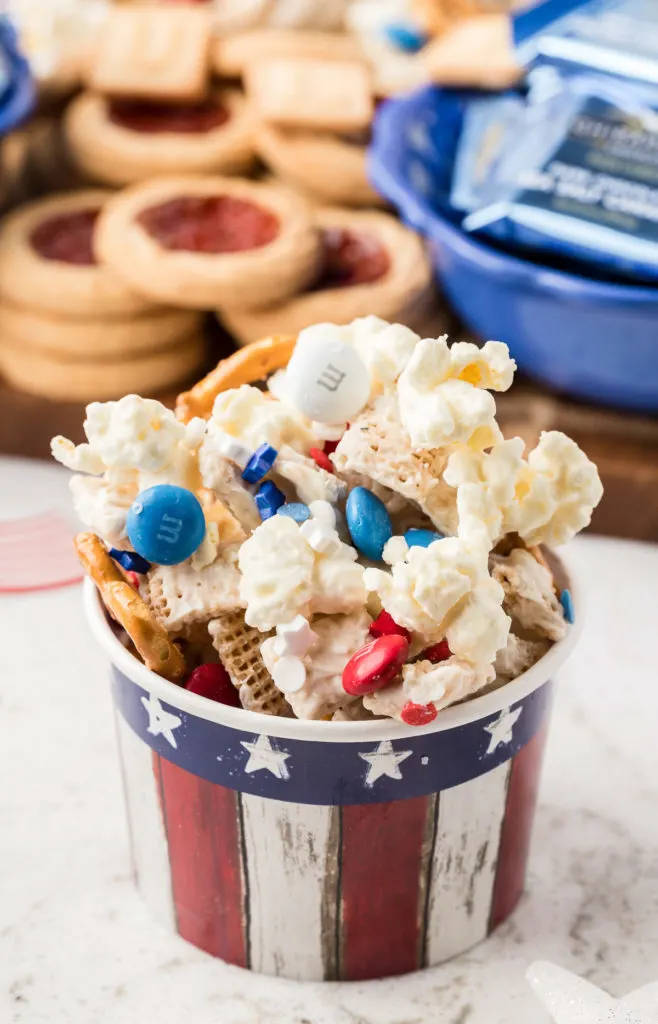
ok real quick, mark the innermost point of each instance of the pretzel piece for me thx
(152, 641)
(247, 365)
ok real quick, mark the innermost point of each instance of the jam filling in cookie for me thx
(350, 259)
(67, 237)
(209, 224)
(152, 118)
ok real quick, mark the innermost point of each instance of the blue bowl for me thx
(18, 95)
(588, 338)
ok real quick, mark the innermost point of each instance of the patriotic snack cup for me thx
(328, 850)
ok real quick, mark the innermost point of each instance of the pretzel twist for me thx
(158, 652)
(249, 364)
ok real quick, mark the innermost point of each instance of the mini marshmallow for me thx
(289, 674)
(326, 379)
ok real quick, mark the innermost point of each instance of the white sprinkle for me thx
(320, 537)
(289, 674)
(294, 638)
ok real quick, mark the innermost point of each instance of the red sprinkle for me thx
(133, 579)
(437, 652)
(418, 714)
(322, 460)
(375, 665)
(330, 447)
(385, 625)
(213, 682)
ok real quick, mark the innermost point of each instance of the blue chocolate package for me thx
(612, 37)
(489, 123)
(581, 180)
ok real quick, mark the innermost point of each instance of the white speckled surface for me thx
(76, 944)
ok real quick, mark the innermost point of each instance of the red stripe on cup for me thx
(381, 874)
(203, 834)
(516, 830)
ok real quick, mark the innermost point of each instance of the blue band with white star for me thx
(328, 773)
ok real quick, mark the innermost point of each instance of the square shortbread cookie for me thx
(153, 52)
(302, 93)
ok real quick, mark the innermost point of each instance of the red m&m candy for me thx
(418, 714)
(375, 665)
(437, 652)
(213, 682)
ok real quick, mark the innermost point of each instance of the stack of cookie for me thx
(108, 290)
(69, 327)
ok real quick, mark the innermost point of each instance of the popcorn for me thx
(489, 367)
(445, 590)
(254, 418)
(546, 499)
(132, 444)
(438, 409)
(384, 348)
(283, 576)
(485, 485)
(556, 494)
(277, 568)
(133, 433)
(103, 504)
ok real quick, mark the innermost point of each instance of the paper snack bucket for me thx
(328, 850)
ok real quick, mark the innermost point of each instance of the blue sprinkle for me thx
(405, 36)
(296, 510)
(259, 464)
(566, 600)
(269, 499)
(130, 560)
(368, 522)
(421, 538)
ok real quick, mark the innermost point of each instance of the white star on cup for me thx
(501, 729)
(384, 761)
(263, 755)
(572, 1000)
(161, 722)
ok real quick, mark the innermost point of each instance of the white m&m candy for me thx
(326, 379)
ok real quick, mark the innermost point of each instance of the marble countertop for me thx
(78, 947)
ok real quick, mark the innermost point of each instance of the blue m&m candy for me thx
(296, 510)
(368, 522)
(268, 499)
(421, 538)
(259, 464)
(166, 524)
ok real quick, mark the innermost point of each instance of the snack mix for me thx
(346, 537)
